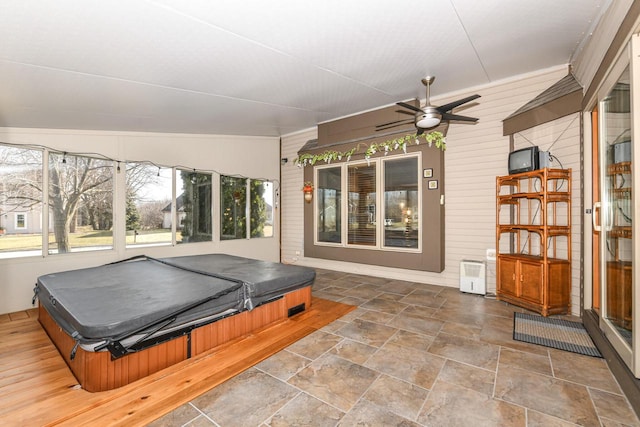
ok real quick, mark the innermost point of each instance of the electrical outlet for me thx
(297, 253)
(491, 254)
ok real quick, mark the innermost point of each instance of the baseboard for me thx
(629, 384)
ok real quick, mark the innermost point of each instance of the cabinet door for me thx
(531, 281)
(507, 279)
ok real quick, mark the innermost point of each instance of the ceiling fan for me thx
(430, 116)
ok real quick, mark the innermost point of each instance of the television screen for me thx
(523, 160)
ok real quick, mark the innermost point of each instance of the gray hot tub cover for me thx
(142, 294)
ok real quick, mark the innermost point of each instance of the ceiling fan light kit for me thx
(428, 120)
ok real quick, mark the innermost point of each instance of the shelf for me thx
(551, 197)
(620, 231)
(619, 168)
(534, 258)
(551, 230)
(537, 200)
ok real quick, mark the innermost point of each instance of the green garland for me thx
(388, 146)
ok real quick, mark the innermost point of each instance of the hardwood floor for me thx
(37, 387)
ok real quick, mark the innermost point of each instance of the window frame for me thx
(380, 213)
(161, 172)
(249, 210)
(15, 221)
(176, 211)
(64, 157)
(248, 185)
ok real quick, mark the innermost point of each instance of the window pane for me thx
(328, 202)
(80, 203)
(362, 204)
(233, 208)
(148, 204)
(261, 208)
(20, 201)
(401, 221)
(21, 221)
(193, 207)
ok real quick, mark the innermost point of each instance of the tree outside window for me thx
(148, 205)
(80, 202)
(233, 208)
(194, 206)
(261, 208)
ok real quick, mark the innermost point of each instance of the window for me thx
(80, 203)
(328, 199)
(382, 209)
(233, 208)
(20, 198)
(362, 204)
(261, 208)
(21, 221)
(401, 204)
(194, 207)
(148, 205)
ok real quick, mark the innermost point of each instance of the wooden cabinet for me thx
(533, 239)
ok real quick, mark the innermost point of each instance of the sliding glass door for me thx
(614, 212)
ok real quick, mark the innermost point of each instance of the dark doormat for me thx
(555, 333)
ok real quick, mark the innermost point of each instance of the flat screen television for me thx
(524, 160)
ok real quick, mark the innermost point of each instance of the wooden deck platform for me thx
(37, 387)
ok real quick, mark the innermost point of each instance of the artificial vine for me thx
(388, 146)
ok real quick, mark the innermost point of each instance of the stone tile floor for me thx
(413, 355)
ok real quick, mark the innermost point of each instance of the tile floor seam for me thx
(301, 391)
(201, 413)
(284, 405)
(495, 377)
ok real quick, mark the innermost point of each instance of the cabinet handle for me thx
(596, 213)
(522, 277)
(514, 277)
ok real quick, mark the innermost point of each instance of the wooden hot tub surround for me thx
(99, 371)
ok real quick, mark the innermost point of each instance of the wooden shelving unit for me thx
(533, 239)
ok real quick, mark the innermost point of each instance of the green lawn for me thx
(82, 238)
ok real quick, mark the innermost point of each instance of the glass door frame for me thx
(629, 57)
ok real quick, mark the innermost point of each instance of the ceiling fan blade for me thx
(449, 116)
(393, 123)
(406, 112)
(410, 107)
(419, 131)
(450, 106)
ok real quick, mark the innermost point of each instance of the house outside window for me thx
(20, 196)
(20, 221)
(148, 205)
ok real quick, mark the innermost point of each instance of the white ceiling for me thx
(256, 67)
